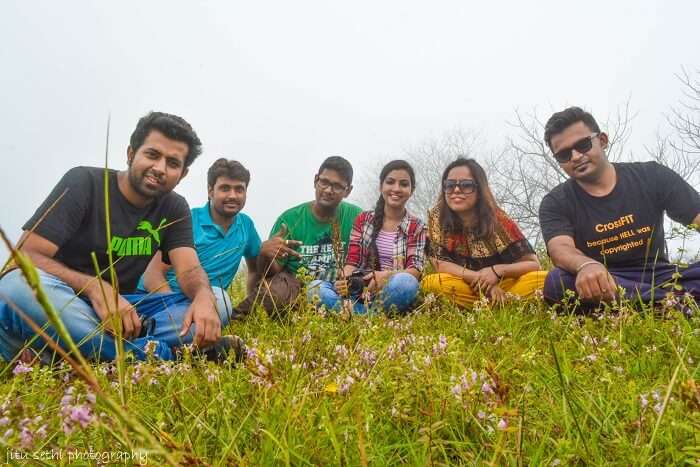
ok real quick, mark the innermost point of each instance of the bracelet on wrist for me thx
(498, 276)
(586, 263)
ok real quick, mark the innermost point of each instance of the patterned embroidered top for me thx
(507, 245)
(409, 243)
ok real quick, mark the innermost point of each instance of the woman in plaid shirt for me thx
(386, 250)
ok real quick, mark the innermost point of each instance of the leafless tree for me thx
(680, 151)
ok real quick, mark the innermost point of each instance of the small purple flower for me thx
(4, 421)
(341, 351)
(441, 346)
(66, 400)
(486, 389)
(306, 337)
(21, 369)
(26, 439)
(346, 384)
(81, 414)
(644, 402)
(502, 424)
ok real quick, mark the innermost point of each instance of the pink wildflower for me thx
(644, 402)
(502, 424)
(441, 346)
(81, 414)
(26, 439)
(21, 368)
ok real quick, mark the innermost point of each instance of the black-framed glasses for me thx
(465, 186)
(324, 183)
(581, 146)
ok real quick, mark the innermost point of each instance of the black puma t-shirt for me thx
(625, 227)
(77, 224)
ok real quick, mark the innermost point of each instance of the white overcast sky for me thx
(281, 85)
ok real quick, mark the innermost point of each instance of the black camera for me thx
(356, 282)
(148, 327)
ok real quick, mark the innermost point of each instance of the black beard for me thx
(136, 183)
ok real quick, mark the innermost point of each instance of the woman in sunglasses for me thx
(475, 248)
(385, 253)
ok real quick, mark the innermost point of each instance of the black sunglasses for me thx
(465, 186)
(581, 146)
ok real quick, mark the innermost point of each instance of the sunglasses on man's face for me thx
(581, 146)
(465, 186)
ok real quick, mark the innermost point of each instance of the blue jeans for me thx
(83, 324)
(400, 291)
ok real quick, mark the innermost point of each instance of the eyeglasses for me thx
(581, 146)
(335, 187)
(465, 186)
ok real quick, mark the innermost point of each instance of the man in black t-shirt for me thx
(73, 235)
(604, 226)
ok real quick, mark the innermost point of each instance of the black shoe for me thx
(225, 346)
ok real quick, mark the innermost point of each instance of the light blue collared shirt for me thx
(219, 253)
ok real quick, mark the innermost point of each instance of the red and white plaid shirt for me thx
(409, 244)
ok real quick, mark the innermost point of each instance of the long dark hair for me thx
(378, 220)
(486, 206)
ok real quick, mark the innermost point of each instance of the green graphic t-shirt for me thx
(316, 250)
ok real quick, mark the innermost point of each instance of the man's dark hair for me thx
(560, 121)
(340, 165)
(227, 168)
(173, 127)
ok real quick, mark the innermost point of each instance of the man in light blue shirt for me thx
(222, 234)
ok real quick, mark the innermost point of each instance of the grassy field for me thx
(521, 385)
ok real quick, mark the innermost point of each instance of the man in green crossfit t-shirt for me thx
(303, 237)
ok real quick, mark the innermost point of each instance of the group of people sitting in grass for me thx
(170, 267)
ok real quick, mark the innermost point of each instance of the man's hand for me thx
(206, 319)
(341, 286)
(102, 300)
(594, 283)
(278, 246)
(484, 279)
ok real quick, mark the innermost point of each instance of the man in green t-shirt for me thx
(303, 237)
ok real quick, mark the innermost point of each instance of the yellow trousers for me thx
(455, 289)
